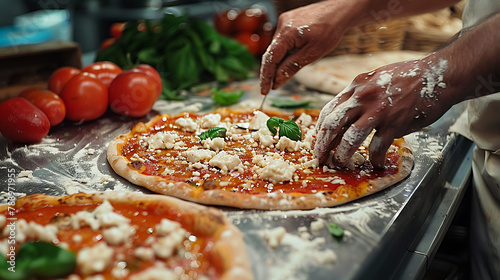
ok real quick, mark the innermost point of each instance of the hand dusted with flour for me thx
(394, 100)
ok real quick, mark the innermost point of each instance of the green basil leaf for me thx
(225, 98)
(288, 103)
(335, 230)
(43, 260)
(291, 130)
(213, 132)
(273, 123)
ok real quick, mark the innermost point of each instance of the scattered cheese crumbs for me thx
(162, 140)
(94, 259)
(258, 121)
(304, 119)
(274, 236)
(210, 120)
(225, 161)
(325, 257)
(198, 155)
(25, 174)
(144, 253)
(317, 225)
(286, 144)
(187, 124)
(277, 171)
(215, 144)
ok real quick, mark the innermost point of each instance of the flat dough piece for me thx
(226, 241)
(185, 167)
(333, 74)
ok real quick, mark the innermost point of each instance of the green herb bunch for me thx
(184, 50)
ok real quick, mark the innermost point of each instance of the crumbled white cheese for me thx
(94, 259)
(264, 137)
(25, 174)
(304, 119)
(286, 144)
(274, 236)
(325, 257)
(144, 253)
(215, 144)
(317, 225)
(357, 159)
(258, 121)
(277, 171)
(162, 140)
(187, 124)
(119, 234)
(210, 120)
(198, 155)
(166, 226)
(225, 161)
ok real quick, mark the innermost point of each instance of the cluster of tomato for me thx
(249, 26)
(79, 95)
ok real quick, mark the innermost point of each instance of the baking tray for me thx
(379, 229)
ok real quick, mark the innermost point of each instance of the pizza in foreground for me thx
(260, 160)
(119, 235)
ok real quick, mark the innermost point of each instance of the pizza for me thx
(121, 235)
(252, 160)
(334, 73)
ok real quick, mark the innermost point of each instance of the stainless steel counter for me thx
(393, 233)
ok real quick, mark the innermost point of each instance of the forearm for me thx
(474, 61)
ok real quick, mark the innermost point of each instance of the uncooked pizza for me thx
(253, 159)
(118, 235)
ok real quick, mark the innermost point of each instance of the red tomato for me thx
(117, 29)
(251, 19)
(60, 77)
(105, 71)
(224, 22)
(252, 41)
(22, 121)
(151, 71)
(108, 42)
(132, 93)
(47, 101)
(85, 96)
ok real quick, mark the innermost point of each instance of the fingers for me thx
(351, 140)
(332, 126)
(379, 145)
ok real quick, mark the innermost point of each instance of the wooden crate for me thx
(27, 66)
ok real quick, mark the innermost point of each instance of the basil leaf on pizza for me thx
(291, 130)
(213, 132)
(273, 123)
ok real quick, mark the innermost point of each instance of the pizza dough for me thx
(333, 74)
(248, 167)
(132, 234)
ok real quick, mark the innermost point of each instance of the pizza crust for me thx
(266, 201)
(229, 247)
(334, 73)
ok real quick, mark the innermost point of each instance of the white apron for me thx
(480, 122)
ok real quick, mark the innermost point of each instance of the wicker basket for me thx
(387, 36)
(428, 32)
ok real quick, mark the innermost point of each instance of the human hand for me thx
(395, 100)
(302, 36)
